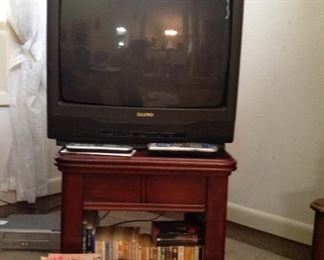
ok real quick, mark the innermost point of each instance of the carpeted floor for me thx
(236, 250)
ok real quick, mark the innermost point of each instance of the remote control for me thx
(99, 147)
(184, 147)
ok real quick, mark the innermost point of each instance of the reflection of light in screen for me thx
(121, 44)
(170, 32)
(121, 30)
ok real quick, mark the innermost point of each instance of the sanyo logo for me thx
(145, 114)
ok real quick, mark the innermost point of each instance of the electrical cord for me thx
(31, 208)
(136, 220)
(104, 215)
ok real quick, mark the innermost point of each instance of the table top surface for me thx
(221, 161)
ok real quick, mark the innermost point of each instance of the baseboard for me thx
(273, 224)
(54, 185)
(9, 196)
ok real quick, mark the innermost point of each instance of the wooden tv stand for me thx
(146, 183)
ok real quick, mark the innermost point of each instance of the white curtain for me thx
(26, 170)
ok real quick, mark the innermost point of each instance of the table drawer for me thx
(176, 189)
(112, 188)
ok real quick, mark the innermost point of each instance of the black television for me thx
(142, 71)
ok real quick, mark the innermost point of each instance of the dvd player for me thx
(30, 232)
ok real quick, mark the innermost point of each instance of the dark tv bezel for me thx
(71, 122)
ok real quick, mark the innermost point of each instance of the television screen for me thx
(144, 53)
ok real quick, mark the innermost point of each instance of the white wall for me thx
(54, 176)
(5, 143)
(279, 140)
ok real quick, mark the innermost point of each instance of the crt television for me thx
(141, 71)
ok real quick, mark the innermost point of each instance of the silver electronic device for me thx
(30, 232)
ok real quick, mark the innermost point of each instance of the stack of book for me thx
(169, 240)
(173, 233)
(178, 240)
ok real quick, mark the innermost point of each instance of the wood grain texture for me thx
(146, 163)
(216, 218)
(112, 188)
(146, 183)
(71, 216)
(318, 235)
(176, 189)
(93, 205)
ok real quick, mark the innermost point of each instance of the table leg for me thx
(318, 237)
(216, 218)
(72, 213)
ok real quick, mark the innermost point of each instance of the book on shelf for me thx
(178, 240)
(72, 257)
(89, 225)
(177, 233)
(169, 240)
(136, 246)
(126, 243)
(117, 242)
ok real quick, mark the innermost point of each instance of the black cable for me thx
(31, 208)
(103, 216)
(136, 220)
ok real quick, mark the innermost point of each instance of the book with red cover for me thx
(167, 233)
(74, 257)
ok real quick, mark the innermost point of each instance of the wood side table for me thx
(146, 183)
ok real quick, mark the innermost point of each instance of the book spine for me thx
(135, 250)
(174, 253)
(100, 248)
(115, 250)
(107, 250)
(93, 240)
(189, 253)
(89, 240)
(119, 250)
(84, 237)
(126, 247)
(111, 250)
(196, 253)
(139, 253)
(130, 250)
(169, 253)
(147, 253)
(154, 253)
(201, 252)
(163, 253)
(181, 253)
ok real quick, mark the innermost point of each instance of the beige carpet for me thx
(236, 250)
